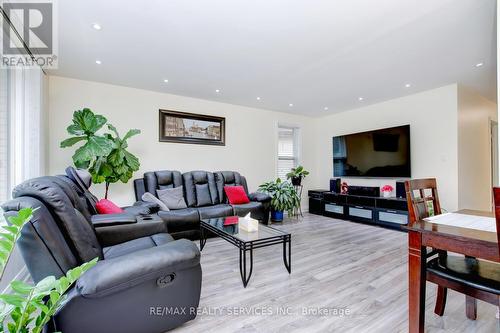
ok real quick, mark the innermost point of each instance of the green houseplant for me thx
(27, 308)
(283, 197)
(105, 156)
(297, 174)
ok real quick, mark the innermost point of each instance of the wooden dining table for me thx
(463, 240)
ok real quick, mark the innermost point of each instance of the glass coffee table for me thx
(227, 228)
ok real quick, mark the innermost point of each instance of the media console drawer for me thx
(360, 212)
(333, 208)
(393, 217)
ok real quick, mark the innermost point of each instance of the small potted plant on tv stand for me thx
(284, 198)
(296, 175)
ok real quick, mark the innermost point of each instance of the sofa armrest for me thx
(104, 220)
(142, 208)
(112, 235)
(117, 274)
(259, 196)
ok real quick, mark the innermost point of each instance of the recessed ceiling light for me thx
(360, 98)
(166, 80)
(408, 85)
(98, 62)
(325, 108)
(217, 90)
(96, 26)
(258, 98)
(290, 105)
(479, 64)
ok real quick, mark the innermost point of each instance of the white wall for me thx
(432, 116)
(474, 150)
(251, 134)
(448, 137)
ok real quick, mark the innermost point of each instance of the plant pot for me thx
(296, 181)
(277, 216)
(386, 194)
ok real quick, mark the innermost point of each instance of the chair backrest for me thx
(64, 206)
(42, 244)
(426, 202)
(159, 180)
(229, 178)
(200, 189)
(496, 199)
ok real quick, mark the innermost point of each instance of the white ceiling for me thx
(312, 53)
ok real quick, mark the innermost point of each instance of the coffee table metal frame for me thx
(249, 246)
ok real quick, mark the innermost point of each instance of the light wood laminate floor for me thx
(336, 265)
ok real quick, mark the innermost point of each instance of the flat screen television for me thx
(379, 153)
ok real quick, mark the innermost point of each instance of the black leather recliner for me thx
(204, 196)
(81, 180)
(143, 274)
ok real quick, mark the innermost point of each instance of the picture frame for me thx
(185, 127)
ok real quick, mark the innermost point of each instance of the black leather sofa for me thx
(205, 198)
(141, 268)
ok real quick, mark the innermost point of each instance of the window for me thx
(21, 126)
(288, 148)
(4, 134)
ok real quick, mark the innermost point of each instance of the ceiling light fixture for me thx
(258, 98)
(166, 80)
(408, 85)
(325, 108)
(360, 98)
(479, 64)
(98, 62)
(217, 90)
(290, 105)
(96, 26)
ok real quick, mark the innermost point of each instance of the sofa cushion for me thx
(173, 198)
(200, 188)
(136, 245)
(254, 208)
(236, 195)
(105, 206)
(215, 211)
(148, 197)
(182, 219)
(228, 178)
(159, 180)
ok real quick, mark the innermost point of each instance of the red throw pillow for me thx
(236, 195)
(105, 206)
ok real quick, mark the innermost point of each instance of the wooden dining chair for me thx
(477, 279)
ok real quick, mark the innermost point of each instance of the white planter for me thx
(386, 194)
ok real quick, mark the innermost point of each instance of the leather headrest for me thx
(80, 176)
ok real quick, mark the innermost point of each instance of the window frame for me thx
(297, 140)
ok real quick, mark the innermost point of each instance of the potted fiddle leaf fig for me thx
(104, 155)
(283, 198)
(297, 174)
(28, 308)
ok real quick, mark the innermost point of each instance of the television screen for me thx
(379, 153)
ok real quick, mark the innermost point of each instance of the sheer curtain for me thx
(22, 127)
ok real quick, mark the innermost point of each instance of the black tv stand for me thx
(387, 212)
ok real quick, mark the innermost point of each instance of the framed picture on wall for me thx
(184, 127)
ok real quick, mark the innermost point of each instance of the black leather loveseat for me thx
(204, 196)
(140, 268)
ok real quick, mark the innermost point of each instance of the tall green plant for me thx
(85, 126)
(29, 307)
(284, 197)
(105, 156)
(120, 164)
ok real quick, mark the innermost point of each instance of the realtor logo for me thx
(29, 34)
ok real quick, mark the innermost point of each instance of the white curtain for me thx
(22, 121)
